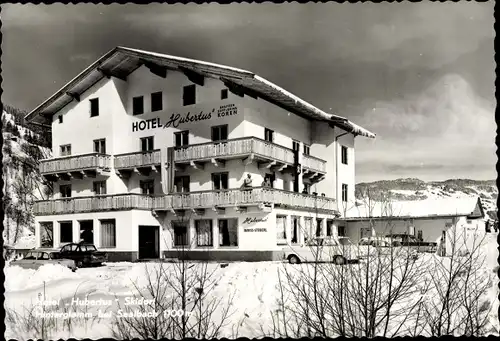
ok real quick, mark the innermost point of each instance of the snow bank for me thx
(17, 278)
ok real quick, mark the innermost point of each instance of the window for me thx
(344, 192)
(100, 146)
(329, 228)
(147, 186)
(341, 231)
(147, 144)
(219, 133)
(87, 231)
(66, 231)
(204, 232)
(99, 187)
(308, 226)
(182, 184)
(189, 95)
(268, 135)
(46, 234)
(281, 229)
(66, 150)
(228, 232)
(108, 233)
(138, 105)
(60, 118)
(307, 188)
(94, 107)
(65, 191)
(180, 233)
(181, 138)
(269, 178)
(295, 145)
(295, 230)
(307, 149)
(220, 181)
(223, 94)
(344, 155)
(156, 101)
(420, 235)
(318, 227)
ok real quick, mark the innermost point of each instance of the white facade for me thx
(125, 201)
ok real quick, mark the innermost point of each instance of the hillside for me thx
(22, 148)
(415, 189)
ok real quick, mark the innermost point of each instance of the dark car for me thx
(84, 254)
(412, 241)
(37, 258)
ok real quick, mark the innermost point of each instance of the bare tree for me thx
(182, 286)
(389, 292)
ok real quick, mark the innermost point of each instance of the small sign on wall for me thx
(254, 220)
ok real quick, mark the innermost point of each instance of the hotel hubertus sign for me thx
(176, 119)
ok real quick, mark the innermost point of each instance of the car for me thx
(36, 258)
(84, 254)
(408, 240)
(321, 249)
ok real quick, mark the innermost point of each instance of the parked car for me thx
(37, 258)
(84, 254)
(322, 249)
(408, 240)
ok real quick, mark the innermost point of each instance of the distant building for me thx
(151, 151)
(428, 220)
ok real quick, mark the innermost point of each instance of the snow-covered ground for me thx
(255, 287)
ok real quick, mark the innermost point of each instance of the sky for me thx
(419, 75)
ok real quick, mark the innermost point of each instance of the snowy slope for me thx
(415, 189)
(20, 175)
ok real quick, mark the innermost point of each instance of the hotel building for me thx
(150, 153)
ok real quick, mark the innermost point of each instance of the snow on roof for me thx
(122, 61)
(468, 206)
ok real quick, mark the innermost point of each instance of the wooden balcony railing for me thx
(137, 159)
(313, 163)
(72, 163)
(236, 197)
(235, 147)
(116, 202)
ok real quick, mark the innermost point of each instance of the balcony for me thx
(248, 149)
(116, 202)
(259, 196)
(313, 168)
(139, 162)
(76, 166)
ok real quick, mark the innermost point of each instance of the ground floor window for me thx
(295, 230)
(87, 231)
(341, 231)
(318, 227)
(204, 232)
(228, 232)
(366, 232)
(46, 234)
(308, 227)
(108, 233)
(329, 228)
(66, 231)
(281, 229)
(180, 233)
(420, 235)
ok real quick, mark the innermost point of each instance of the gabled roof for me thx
(470, 207)
(121, 62)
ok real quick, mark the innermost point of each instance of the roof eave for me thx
(39, 110)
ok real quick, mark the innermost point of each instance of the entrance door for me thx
(149, 241)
